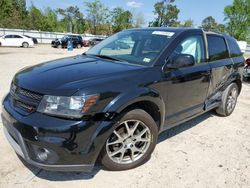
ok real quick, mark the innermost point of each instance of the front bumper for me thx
(69, 145)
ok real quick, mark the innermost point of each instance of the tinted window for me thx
(8, 36)
(194, 46)
(217, 48)
(17, 36)
(234, 48)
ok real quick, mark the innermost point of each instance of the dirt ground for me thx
(209, 151)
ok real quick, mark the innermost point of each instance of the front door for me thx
(8, 40)
(187, 87)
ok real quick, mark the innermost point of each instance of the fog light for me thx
(42, 154)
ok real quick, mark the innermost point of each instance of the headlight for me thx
(71, 107)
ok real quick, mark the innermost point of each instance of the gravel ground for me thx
(209, 151)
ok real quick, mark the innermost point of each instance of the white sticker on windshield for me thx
(165, 33)
(147, 60)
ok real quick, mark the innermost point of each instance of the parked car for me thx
(118, 45)
(246, 72)
(35, 41)
(112, 104)
(86, 43)
(62, 43)
(16, 40)
(95, 41)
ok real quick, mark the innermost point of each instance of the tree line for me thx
(99, 19)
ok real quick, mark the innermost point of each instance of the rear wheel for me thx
(229, 99)
(131, 143)
(25, 45)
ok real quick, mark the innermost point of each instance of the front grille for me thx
(25, 100)
(29, 94)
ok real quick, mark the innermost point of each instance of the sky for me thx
(196, 10)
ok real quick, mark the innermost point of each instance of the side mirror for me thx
(181, 60)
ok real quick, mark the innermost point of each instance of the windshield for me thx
(65, 37)
(138, 47)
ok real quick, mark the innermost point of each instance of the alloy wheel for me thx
(128, 142)
(231, 100)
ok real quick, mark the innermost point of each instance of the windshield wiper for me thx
(105, 57)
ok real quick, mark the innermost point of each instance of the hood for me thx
(57, 75)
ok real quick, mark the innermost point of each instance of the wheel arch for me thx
(146, 99)
(235, 78)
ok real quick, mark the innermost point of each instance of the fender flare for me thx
(124, 100)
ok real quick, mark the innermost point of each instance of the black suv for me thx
(62, 43)
(111, 103)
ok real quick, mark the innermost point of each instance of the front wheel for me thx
(229, 99)
(131, 142)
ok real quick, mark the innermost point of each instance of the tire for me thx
(59, 46)
(138, 121)
(25, 45)
(78, 46)
(229, 100)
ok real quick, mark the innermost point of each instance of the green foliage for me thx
(237, 16)
(36, 19)
(210, 24)
(13, 13)
(167, 14)
(98, 19)
(75, 23)
(121, 19)
(97, 15)
(187, 23)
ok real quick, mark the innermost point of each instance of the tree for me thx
(167, 14)
(6, 8)
(74, 19)
(121, 19)
(51, 20)
(36, 19)
(97, 15)
(187, 23)
(13, 13)
(210, 24)
(237, 16)
(138, 20)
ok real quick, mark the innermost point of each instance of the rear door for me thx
(18, 40)
(220, 62)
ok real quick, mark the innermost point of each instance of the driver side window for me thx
(193, 45)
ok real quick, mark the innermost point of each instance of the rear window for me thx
(233, 47)
(217, 48)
